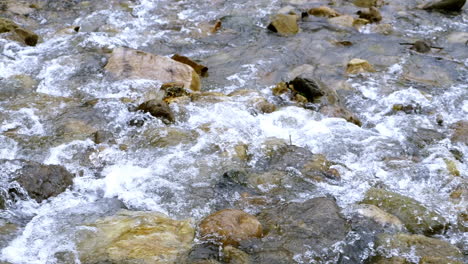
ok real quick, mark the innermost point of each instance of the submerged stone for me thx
(136, 237)
(417, 218)
(230, 227)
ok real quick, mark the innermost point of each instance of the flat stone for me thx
(135, 64)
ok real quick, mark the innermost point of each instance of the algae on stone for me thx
(417, 218)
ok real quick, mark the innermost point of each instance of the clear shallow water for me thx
(176, 178)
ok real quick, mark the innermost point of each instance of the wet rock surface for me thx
(416, 217)
(43, 181)
(304, 99)
(424, 248)
(230, 227)
(293, 228)
(128, 63)
(136, 237)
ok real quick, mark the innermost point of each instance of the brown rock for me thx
(323, 11)
(284, 24)
(7, 25)
(373, 15)
(344, 21)
(130, 63)
(367, 3)
(230, 226)
(200, 69)
(28, 37)
(280, 89)
(356, 66)
(460, 133)
(158, 109)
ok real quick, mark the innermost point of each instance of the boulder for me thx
(356, 66)
(284, 24)
(416, 218)
(135, 237)
(323, 11)
(460, 131)
(130, 63)
(420, 246)
(445, 5)
(43, 181)
(294, 228)
(230, 227)
(158, 109)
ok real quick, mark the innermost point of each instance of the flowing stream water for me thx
(174, 169)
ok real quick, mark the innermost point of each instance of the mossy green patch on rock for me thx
(7, 25)
(420, 246)
(417, 218)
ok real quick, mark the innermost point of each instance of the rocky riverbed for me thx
(246, 132)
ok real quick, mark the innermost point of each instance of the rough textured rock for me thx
(419, 245)
(135, 237)
(417, 218)
(323, 11)
(307, 88)
(26, 36)
(43, 181)
(356, 66)
(445, 5)
(7, 25)
(233, 255)
(294, 228)
(460, 131)
(130, 63)
(159, 109)
(230, 226)
(284, 24)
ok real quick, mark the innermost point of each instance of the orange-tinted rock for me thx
(200, 69)
(230, 226)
